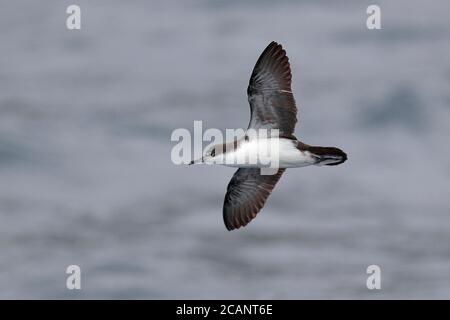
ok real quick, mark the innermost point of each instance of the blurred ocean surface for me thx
(86, 176)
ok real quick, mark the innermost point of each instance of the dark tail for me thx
(328, 156)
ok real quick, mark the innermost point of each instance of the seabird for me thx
(272, 106)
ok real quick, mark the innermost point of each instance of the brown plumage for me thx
(272, 103)
(272, 106)
(247, 193)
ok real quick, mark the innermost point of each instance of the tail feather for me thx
(329, 156)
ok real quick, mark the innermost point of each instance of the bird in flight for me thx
(272, 106)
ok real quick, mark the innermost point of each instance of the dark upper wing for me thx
(272, 103)
(247, 193)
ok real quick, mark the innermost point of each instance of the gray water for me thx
(86, 176)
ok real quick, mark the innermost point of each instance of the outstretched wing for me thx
(272, 103)
(247, 193)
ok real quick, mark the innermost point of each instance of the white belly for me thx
(264, 153)
(291, 157)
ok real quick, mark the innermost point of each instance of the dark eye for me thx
(213, 153)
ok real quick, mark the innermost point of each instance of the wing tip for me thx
(231, 227)
(231, 224)
(274, 43)
(234, 219)
(274, 60)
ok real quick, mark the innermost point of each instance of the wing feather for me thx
(272, 104)
(247, 193)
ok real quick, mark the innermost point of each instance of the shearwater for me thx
(272, 107)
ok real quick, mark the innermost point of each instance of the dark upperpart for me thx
(329, 156)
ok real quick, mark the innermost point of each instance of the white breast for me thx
(260, 153)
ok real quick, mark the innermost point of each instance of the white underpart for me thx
(263, 153)
(331, 159)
